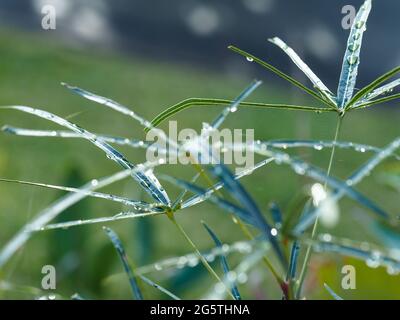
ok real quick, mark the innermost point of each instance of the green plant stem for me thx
(202, 259)
(315, 226)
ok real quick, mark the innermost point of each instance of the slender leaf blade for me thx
(203, 102)
(124, 259)
(351, 58)
(368, 92)
(224, 262)
(318, 84)
(332, 293)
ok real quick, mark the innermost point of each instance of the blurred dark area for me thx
(198, 32)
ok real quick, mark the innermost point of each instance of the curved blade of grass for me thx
(332, 293)
(315, 144)
(108, 103)
(373, 255)
(318, 84)
(137, 294)
(224, 262)
(146, 179)
(280, 74)
(117, 217)
(368, 92)
(371, 164)
(121, 109)
(377, 101)
(351, 58)
(157, 286)
(318, 145)
(188, 103)
(134, 143)
(383, 90)
(52, 211)
(137, 205)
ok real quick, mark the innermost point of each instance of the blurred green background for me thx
(31, 69)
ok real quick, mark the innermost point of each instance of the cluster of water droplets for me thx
(192, 260)
(374, 257)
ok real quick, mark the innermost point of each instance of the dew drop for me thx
(372, 263)
(353, 47)
(299, 169)
(210, 258)
(326, 237)
(360, 24)
(392, 271)
(318, 147)
(242, 278)
(158, 267)
(352, 60)
(193, 262)
(182, 262)
(249, 59)
(274, 232)
(233, 109)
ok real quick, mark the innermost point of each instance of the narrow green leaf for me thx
(188, 103)
(332, 293)
(377, 101)
(367, 93)
(224, 262)
(157, 286)
(351, 58)
(124, 259)
(318, 84)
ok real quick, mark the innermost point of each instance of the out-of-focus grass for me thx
(31, 70)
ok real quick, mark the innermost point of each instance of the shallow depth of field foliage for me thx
(262, 235)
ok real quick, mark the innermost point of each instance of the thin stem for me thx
(315, 226)
(202, 259)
